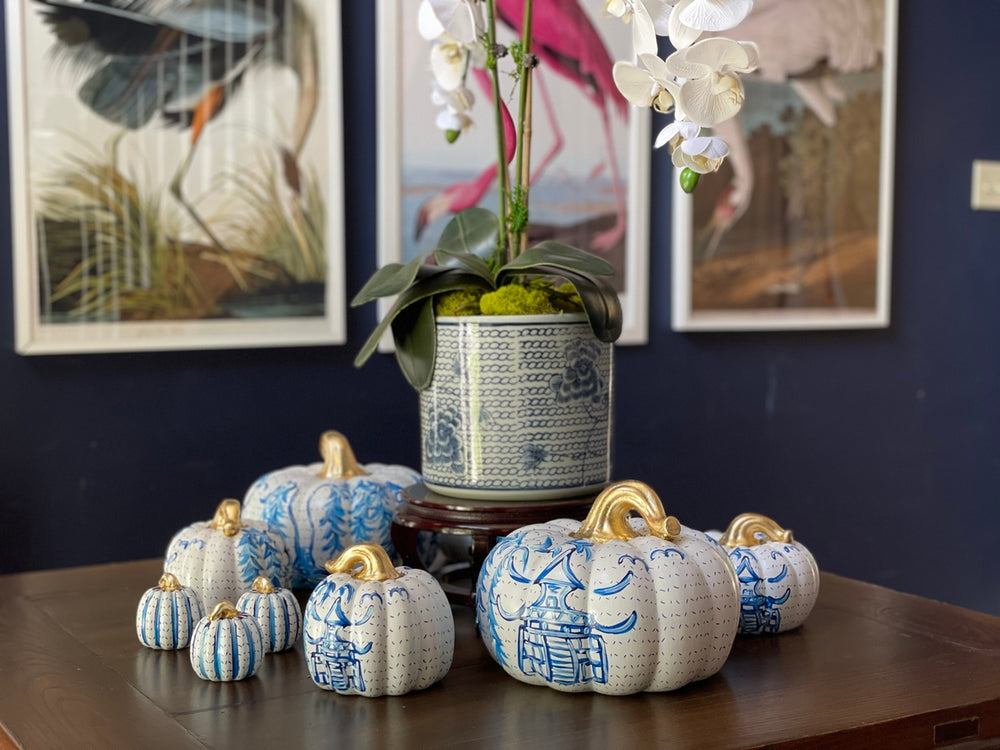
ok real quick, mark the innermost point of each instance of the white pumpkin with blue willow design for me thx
(372, 629)
(221, 558)
(167, 614)
(321, 509)
(615, 605)
(277, 612)
(779, 578)
(227, 645)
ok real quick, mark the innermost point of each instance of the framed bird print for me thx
(794, 231)
(176, 174)
(589, 183)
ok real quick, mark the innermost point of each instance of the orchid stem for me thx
(522, 168)
(503, 179)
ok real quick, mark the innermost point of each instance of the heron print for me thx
(793, 219)
(177, 154)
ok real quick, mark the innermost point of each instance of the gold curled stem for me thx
(375, 563)
(608, 516)
(169, 582)
(227, 518)
(751, 529)
(262, 585)
(224, 611)
(338, 457)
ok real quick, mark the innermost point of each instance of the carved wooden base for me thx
(482, 520)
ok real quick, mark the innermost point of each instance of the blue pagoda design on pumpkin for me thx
(561, 644)
(759, 612)
(334, 659)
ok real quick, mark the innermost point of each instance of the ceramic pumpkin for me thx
(227, 645)
(167, 614)
(614, 605)
(220, 558)
(277, 612)
(372, 629)
(321, 509)
(779, 579)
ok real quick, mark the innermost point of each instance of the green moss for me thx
(514, 299)
(459, 302)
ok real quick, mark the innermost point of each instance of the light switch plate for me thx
(986, 185)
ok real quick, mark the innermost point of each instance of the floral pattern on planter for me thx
(519, 408)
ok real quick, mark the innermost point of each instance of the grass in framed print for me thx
(176, 173)
(794, 231)
(590, 148)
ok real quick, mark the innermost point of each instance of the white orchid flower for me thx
(690, 18)
(712, 90)
(648, 86)
(449, 63)
(462, 20)
(648, 18)
(460, 99)
(699, 153)
(676, 133)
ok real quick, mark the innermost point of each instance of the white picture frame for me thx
(801, 256)
(409, 143)
(256, 160)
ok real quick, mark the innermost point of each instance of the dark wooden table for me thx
(870, 668)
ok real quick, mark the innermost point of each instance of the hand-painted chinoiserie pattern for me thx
(614, 605)
(779, 578)
(372, 629)
(321, 509)
(221, 558)
(227, 645)
(167, 614)
(277, 611)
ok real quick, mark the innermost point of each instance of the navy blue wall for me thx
(878, 447)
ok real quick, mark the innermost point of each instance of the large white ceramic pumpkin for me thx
(372, 629)
(321, 509)
(614, 605)
(221, 558)
(779, 578)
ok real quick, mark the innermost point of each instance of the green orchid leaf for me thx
(473, 231)
(415, 337)
(599, 298)
(557, 254)
(423, 288)
(389, 280)
(468, 261)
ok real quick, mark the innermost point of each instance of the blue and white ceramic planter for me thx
(519, 408)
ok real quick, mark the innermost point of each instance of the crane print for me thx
(172, 109)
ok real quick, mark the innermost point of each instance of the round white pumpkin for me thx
(614, 606)
(779, 578)
(167, 614)
(372, 629)
(321, 509)
(227, 645)
(277, 612)
(221, 558)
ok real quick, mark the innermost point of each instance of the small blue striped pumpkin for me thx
(167, 614)
(277, 611)
(227, 645)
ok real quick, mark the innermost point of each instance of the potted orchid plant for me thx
(483, 266)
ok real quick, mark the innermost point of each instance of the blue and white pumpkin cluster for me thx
(318, 510)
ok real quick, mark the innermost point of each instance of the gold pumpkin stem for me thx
(262, 585)
(608, 517)
(169, 582)
(227, 518)
(338, 457)
(750, 529)
(224, 611)
(375, 563)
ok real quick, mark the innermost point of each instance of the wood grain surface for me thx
(870, 668)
